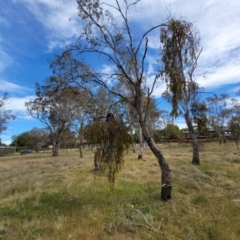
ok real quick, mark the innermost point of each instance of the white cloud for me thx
(59, 18)
(218, 22)
(11, 87)
(17, 104)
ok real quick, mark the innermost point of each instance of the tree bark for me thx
(237, 142)
(166, 171)
(140, 155)
(97, 159)
(56, 146)
(80, 150)
(81, 141)
(133, 148)
(194, 141)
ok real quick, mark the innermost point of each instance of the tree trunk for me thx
(194, 141)
(81, 141)
(166, 172)
(97, 159)
(236, 141)
(133, 148)
(80, 150)
(56, 146)
(140, 155)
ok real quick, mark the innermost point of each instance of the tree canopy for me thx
(5, 115)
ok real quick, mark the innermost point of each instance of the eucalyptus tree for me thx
(220, 110)
(234, 125)
(152, 120)
(165, 119)
(55, 108)
(95, 108)
(113, 41)
(6, 115)
(34, 139)
(234, 122)
(179, 56)
(199, 113)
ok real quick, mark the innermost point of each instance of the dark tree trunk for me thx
(166, 172)
(194, 141)
(80, 150)
(236, 141)
(56, 147)
(140, 155)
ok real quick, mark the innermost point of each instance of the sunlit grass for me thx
(42, 197)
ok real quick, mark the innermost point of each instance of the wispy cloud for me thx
(59, 19)
(220, 35)
(11, 87)
(17, 104)
(5, 60)
(217, 21)
(235, 90)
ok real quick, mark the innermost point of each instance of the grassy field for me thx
(42, 197)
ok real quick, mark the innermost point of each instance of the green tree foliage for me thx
(55, 107)
(234, 122)
(68, 138)
(5, 115)
(220, 111)
(234, 125)
(114, 141)
(34, 139)
(171, 131)
(199, 113)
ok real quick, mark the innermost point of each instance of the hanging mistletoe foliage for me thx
(180, 51)
(114, 141)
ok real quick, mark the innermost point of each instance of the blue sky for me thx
(33, 31)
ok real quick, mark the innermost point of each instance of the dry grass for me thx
(42, 197)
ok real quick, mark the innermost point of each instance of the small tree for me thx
(5, 115)
(34, 139)
(165, 119)
(55, 109)
(234, 122)
(199, 113)
(220, 110)
(234, 125)
(180, 53)
(172, 131)
(113, 139)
